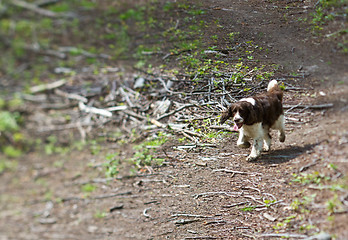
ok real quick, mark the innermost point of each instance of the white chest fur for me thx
(252, 131)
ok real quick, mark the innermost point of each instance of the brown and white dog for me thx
(255, 116)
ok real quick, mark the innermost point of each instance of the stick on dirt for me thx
(47, 86)
(94, 110)
(236, 172)
(34, 8)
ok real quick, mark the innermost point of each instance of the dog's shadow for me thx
(284, 155)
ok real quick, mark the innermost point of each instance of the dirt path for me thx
(209, 192)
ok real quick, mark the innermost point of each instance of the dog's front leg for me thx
(243, 140)
(258, 134)
(256, 149)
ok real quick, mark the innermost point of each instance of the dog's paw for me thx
(266, 148)
(244, 145)
(251, 158)
(282, 138)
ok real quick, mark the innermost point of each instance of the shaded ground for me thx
(203, 192)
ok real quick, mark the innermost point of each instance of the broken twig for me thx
(236, 172)
(190, 215)
(34, 8)
(229, 194)
(94, 110)
(47, 86)
(72, 96)
(186, 221)
(317, 107)
(145, 212)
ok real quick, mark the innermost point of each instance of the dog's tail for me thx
(274, 87)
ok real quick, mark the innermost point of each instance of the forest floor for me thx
(180, 177)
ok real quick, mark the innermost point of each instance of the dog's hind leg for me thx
(280, 125)
(281, 128)
(267, 139)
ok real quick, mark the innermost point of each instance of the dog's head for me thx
(240, 112)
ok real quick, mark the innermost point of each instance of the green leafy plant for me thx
(268, 202)
(327, 11)
(52, 146)
(11, 151)
(248, 209)
(8, 121)
(6, 164)
(11, 140)
(307, 178)
(145, 153)
(100, 214)
(285, 223)
(233, 35)
(112, 164)
(301, 205)
(87, 188)
(334, 205)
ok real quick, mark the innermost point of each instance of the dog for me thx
(254, 117)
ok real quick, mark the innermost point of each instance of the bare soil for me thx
(209, 192)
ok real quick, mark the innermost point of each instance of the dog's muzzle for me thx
(238, 122)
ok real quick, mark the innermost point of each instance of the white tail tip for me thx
(272, 84)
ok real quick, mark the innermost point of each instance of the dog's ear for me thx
(248, 113)
(226, 115)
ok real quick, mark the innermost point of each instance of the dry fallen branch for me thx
(82, 52)
(116, 108)
(137, 176)
(186, 221)
(72, 96)
(317, 107)
(97, 197)
(49, 52)
(200, 237)
(235, 204)
(236, 172)
(145, 212)
(133, 114)
(305, 167)
(112, 195)
(126, 96)
(229, 194)
(118, 207)
(191, 146)
(283, 235)
(95, 180)
(47, 86)
(269, 217)
(94, 110)
(190, 215)
(175, 111)
(34, 8)
(41, 3)
(183, 107)
(35, 98)
(226, 128)
(252, 188)
(255, 200)
(63, 127)
(166, 88)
